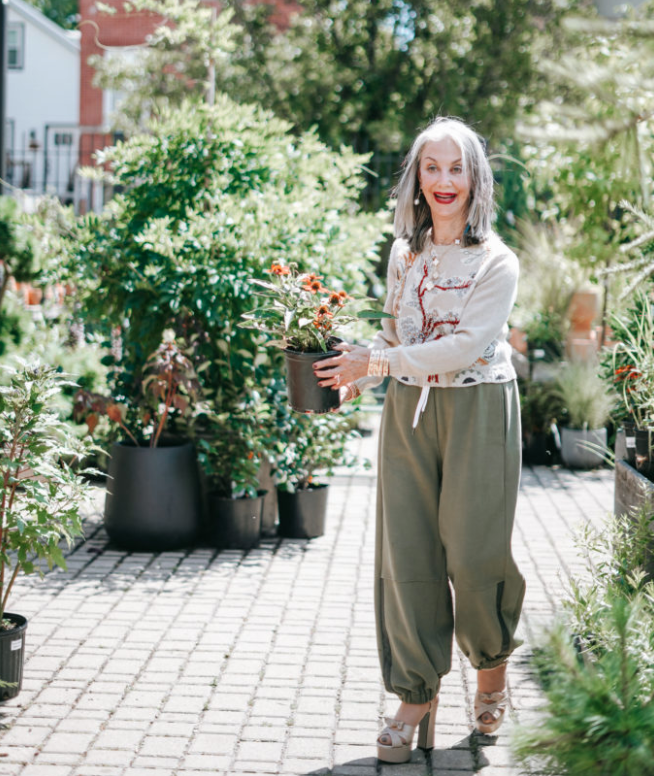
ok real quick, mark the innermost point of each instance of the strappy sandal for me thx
(401, 736)
(493, 703)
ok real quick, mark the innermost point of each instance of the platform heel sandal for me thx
(493, 703)
(401, 736)
(426, 730)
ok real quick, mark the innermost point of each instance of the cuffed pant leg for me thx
(481, 472)
(412, 594)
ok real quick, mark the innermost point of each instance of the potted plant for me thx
(302, 315)
(632, 369)
(586, 407)
(538, 408)
(230, 445)
(41, 495)
(306, 448)
(153, 498)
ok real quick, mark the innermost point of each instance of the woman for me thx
(449, 460)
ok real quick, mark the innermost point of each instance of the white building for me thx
(43, 84)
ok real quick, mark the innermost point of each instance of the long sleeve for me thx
(483, 319)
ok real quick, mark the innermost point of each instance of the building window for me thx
(15, 45)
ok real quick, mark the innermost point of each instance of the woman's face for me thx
(443, 182)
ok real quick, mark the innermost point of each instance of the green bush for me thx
(211, 197)
(597, 665)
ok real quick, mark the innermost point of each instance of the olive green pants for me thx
(446, 501)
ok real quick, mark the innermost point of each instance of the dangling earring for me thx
(416, 201)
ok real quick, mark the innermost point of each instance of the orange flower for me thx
(324, 311)
(336, 299)
(314, 286)
(279, 269)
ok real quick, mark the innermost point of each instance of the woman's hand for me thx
(339, 371)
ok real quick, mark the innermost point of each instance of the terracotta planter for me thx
(583, 310)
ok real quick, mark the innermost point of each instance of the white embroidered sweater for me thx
(451, 306)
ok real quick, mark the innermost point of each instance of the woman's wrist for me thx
(352, 392)
(378, 365)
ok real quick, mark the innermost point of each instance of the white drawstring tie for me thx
(422, 404)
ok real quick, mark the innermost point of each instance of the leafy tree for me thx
(211, 197)
(367, 74)
(371, 74)
(180, 60)
(590, 141)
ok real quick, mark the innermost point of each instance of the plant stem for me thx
(170, 393)
(3, 604)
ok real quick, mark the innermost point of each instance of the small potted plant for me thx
(230, 445)
(306, 448)
(586, 407)
(153, 494)
(302, 316)
(41, 495)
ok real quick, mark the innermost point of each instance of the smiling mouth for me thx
(445, 199)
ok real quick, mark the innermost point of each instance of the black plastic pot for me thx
(304, 393)
(630, 441)
(302, 514)
(153, 499)
(12, 655)
(645, 452)
(234, 523)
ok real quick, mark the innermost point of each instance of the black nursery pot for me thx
(304, 393)
(153, 499)
(645, 452)
(234, 523)
(302, 514)
(630, 441)
(12, 655)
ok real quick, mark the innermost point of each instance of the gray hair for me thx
(413, 222)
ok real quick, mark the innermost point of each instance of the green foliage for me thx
(373, 73)
(308, 445)
(300, 312)
(586, 400)
(539, 406)
(589, 140)
(18, 250)
(597, 666)
(230, 446)
(61, 12)
(40, 493)
(180, 59)
(630, 366)
(211, 197)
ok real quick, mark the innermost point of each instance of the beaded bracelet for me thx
(378, 366)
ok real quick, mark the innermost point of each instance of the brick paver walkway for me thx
(197, 663)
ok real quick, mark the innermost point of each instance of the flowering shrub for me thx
(300, 312)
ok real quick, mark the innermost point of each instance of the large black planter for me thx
(302, 514)
(12, 655)
(153, 499)
(304, 393)
(234, 523)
